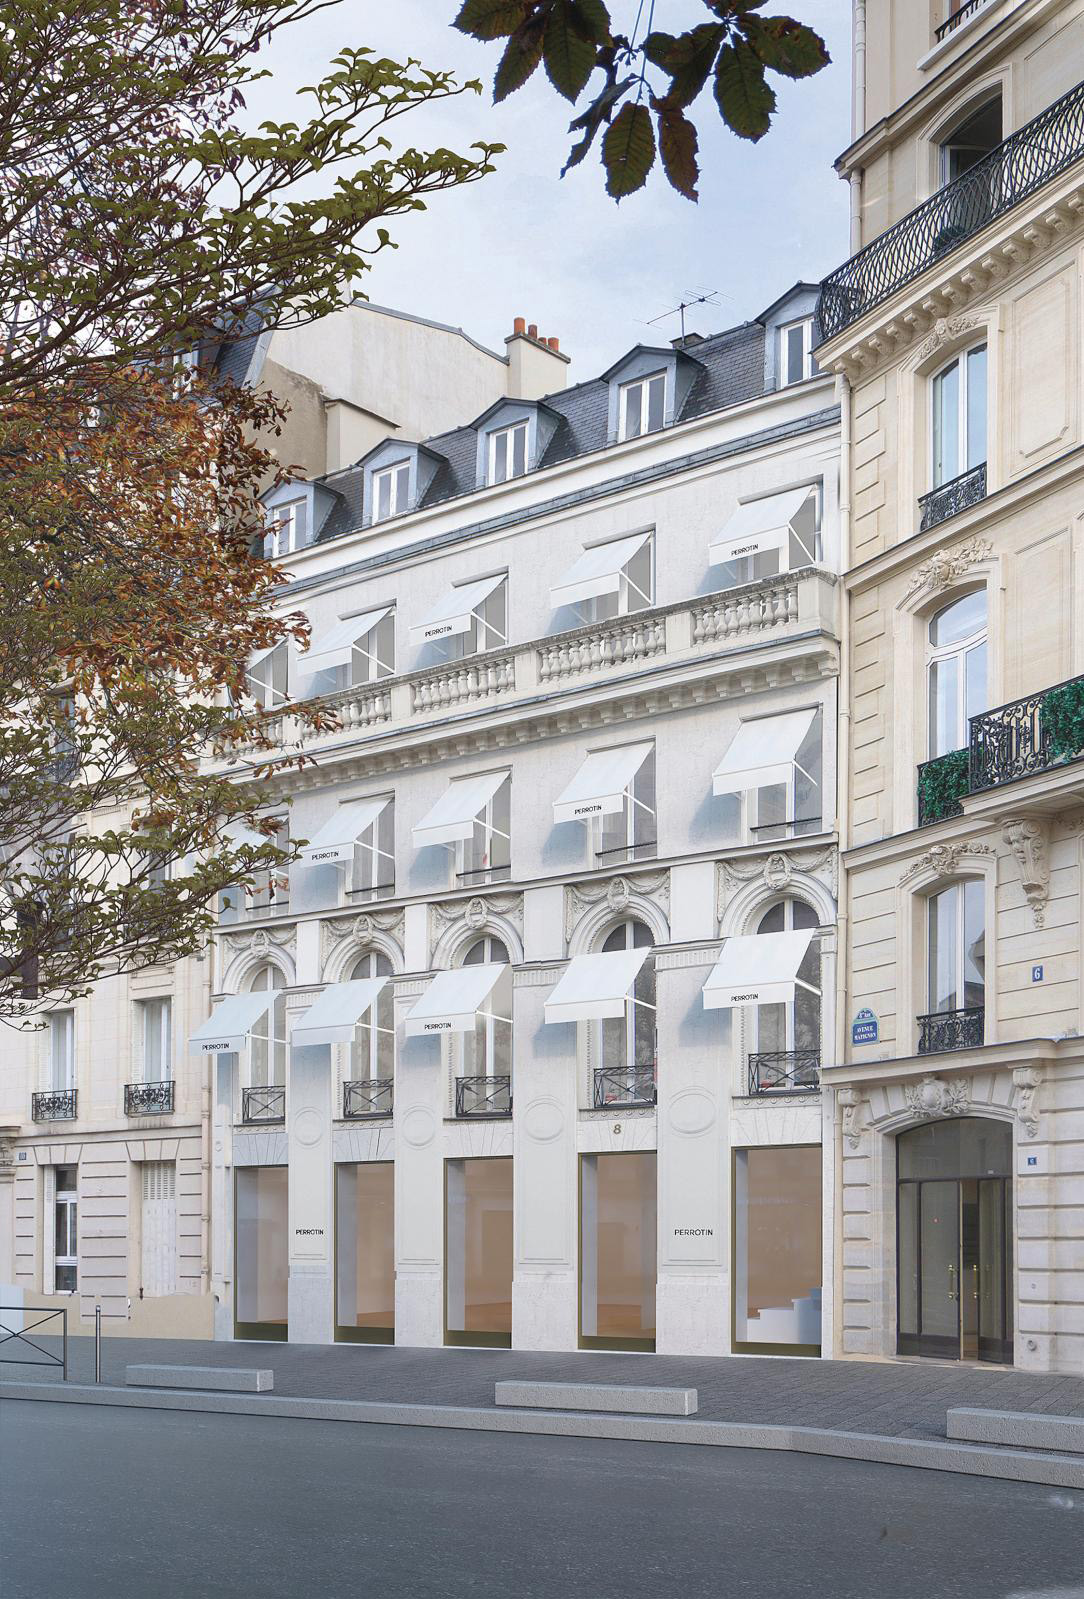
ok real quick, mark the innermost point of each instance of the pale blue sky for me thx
(558, 251)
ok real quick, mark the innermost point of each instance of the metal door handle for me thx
(975, 1269)
(952, 1282)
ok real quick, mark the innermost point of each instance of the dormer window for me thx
(391, 490)
(642, 406)
(287, 530)
(795, 352)
(507, 453)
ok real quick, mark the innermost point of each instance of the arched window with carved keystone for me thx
(786, 1052)
(956, 671)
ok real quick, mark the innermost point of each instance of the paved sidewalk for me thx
(892, 1399)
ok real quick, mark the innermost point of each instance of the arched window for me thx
(973, 137)
(627, 1043)
(267, 1059)
(956, 947)
(487, 1052)
(788, 1036)
(372, 1053)
(958, 416)
(956, 671)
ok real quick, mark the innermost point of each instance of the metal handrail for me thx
(624, 1085)
(54, 1105)
(368, 1097)
(148, 1099)
(941, 1031)
(9, 1334)
(266, 1104)
(954, 18)
(1010, 741)
(949, 499)
(1023, 163)
(483, 1096)
(774, 1071)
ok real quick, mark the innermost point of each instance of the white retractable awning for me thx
(453, 999)
(226, 1030)
(455, 610)
(758, 525)
(598, 788)
(261, 655)
(760, 970)
(452, 817)
(336, 839)
(597, 571)
(336, 646)
(595, 987)
(762, 752)
(334, 1014)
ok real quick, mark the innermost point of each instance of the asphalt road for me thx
(115, 1504)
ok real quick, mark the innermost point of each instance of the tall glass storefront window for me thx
(262, 1269)
(618, 1250)
(365, 1252)
(478, 1252)
(777, 1248)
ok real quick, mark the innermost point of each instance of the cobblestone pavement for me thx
(892, 1398)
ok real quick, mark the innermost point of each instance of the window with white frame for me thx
(958, 416)
(65, 741)
(506, 453)
(972, 139)
(156, 1039)
(956, 671)
(641, 406)
(630, 834)
(373, 655)
(287, 529)
(956, 947)
(487, 1051)
(269, 892)
(792, 807)
(66, 1230)
(795, 352)
(267, 1040)
(374, 857)
(486, 856)
(626, 1047)
(372, 1052)
(267, 677)
(787, 1036)
(487, 628)
(61, 1050)
(391, 490)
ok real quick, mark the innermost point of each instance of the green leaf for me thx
(628, 151)
(743, 96)
(521, 56)
(591, 20)
(786, 46)
(688, 59)
(491, 19)
(569, 57)
(591, 120)
(678, 148)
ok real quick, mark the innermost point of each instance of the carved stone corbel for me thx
(1029, 840)
(852, 1104)
(1027, 1081)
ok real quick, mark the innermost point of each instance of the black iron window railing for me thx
(954, 18)
(942, 783)
(948, 499)
(56, 1105)
(483, 1096)
(776, 1071)
(1021, 164)
(624, 1085)
(1027, 736)
(148, 1099)
(370, 1096)
(945, 1030)
(264, 1104)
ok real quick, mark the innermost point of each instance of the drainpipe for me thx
(843, 827)
(205, 1144)
(858, 119)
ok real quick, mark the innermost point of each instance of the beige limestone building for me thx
(955, 331)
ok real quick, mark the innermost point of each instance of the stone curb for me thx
(1011, 1465)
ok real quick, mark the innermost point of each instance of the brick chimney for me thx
(536, 365)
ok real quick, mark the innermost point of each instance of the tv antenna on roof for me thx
(686, 303)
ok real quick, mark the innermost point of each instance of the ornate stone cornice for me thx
(776, 871)
(948, 566)
(337, 931)
(618, 893)
(477, 911)
(260, 940)
(944, 859)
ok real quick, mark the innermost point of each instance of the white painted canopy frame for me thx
(277, 696)
(599, 571)
(344, 832)
(761, 525)
(601, 785)
(453, 817)
(338, 645)
(763, 752)
(456, 611)
(761, 969)
(334, 1014)
(226, 1031)
(598, 987)
(454, 1000)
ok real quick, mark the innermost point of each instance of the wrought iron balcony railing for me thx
(948, 499)
(955, 18)
(483, 1096)
(264, 1105)
(1027, 736)
(787, 1071)
(624, 1085)
(945, 1030)
(1021, 164)
(368, 1097)
(57, 1105)
(148, 1099)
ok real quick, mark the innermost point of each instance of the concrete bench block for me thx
(597, 1396)
(242, 1379)
(1019, 1429)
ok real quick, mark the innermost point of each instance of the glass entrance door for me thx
(954, 1231)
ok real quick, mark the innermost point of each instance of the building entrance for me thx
(954, 1240)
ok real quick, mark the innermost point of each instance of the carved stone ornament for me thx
(1029, 841)
(933, 1096)
(618, 894)
(776, 871)
(359, 930)
(944, 859)
(7, 1153)
(948, 566)
(477, 911)
(1027, 1081)
(944, 331)
(259, 942)
(852, 1105)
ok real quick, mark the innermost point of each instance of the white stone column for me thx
(420, 1095)
(224, 1095)
(311, 1195)
(544, 1286)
